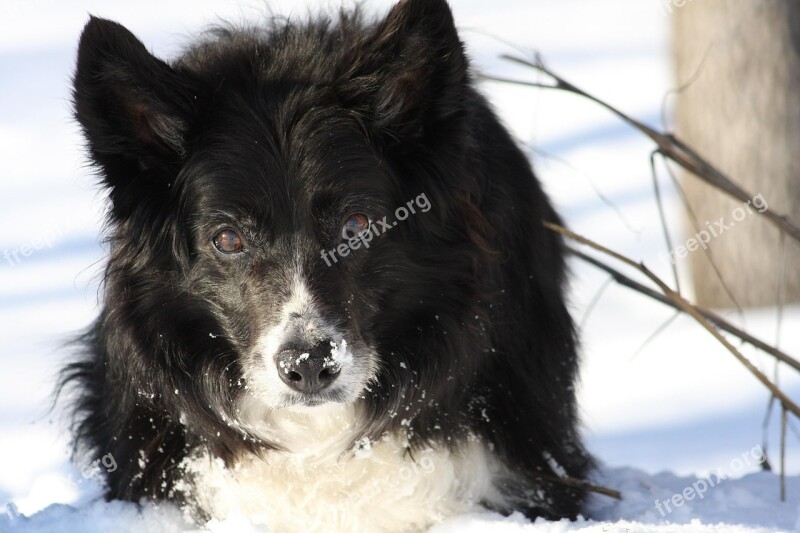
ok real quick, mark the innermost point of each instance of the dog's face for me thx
(256, 187)
(264, 219)
(287, 241)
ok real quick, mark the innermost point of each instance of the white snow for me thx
(660, 417)
(339, 355)
(748, 504)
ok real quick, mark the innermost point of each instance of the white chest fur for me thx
(377, 487)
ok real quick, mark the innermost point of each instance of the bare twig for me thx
(783, 454)
(706, 250)
(669, 145)
(661, 329)
(781, 292)
(585, 485)
(712, 317)
(767, 464)
(663, 217)
(595, 299)
(688, 308)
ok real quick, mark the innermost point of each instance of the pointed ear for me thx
(410, 74)
(135, 109)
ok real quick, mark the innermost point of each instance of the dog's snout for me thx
(307, 370)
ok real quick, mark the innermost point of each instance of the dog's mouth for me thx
(301, 401)
(301, 423)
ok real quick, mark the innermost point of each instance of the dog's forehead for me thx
(257, 164)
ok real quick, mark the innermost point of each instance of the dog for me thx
(330, 301)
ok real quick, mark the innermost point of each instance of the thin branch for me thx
(687, 308)
(653, 336)
(712, 317)
(663, 217)
(585, 485)
(669, 145)
(766, 465)
(707, 249)
(595, 299)
(783, 453)
(603, 198)
(781, 292)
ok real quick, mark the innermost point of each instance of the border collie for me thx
(330, 302)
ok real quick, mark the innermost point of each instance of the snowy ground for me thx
(659, 417)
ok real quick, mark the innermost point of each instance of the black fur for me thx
(279, 131)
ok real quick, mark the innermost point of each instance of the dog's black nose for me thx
(307, 371)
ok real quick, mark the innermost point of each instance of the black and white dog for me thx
(330, 301)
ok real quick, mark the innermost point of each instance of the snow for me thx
(751, 501)
(660, 414)
(339, 355)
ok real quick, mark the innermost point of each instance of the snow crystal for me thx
(339, 355)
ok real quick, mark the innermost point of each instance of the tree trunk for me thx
(740, 108)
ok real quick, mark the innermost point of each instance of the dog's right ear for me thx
(408, 76)
(135, 110)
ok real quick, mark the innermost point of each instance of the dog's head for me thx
(275, 227)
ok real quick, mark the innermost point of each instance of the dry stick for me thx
(688, 308)
(783, 454)
(707, 250)
(765, 430)
(712, 317)
(669, 145)
(663, 217)
(585, 485)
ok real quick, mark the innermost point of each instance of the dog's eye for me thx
(354, 225)
(228, 241)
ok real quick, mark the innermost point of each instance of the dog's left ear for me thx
(409, 75)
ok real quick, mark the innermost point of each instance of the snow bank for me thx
(748, 504)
